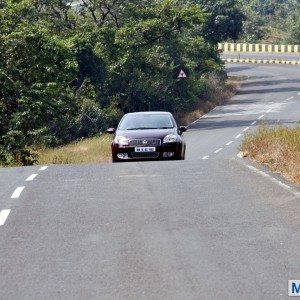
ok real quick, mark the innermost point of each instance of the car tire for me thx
(181, 155)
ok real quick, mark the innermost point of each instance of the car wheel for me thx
(183, 156)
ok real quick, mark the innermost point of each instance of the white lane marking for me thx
(269, 110)
(43, 168)
(238, 136)
(287, 187)
(246, 129)
(3, 216)
(205, 157)
(31, 177)
(253, 123)
(17, 192)
(220, 149)
(261, 117)
(229, 143)
(298, 93)
(290, 98)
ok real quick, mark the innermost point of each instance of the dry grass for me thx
(91, 150)
(277, 147)
(217, 97)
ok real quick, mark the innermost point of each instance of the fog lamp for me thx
(168, 154)
(122, 155)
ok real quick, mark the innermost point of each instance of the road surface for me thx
(262, 55)
(270, 94)
(211, 228)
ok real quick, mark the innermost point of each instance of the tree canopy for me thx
(271, 20)
(68, 69)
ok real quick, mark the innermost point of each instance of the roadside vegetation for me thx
(69, 72)
(277, 147)
(271, 21)
(215, 94)
(70, 69)
(89, 150)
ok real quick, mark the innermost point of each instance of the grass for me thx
(90, 150)
(277, 147)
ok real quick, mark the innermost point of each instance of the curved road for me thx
(196, 229)
(262, 55)
(271, 94)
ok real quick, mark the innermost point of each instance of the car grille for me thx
(141, 143)
(136, 155)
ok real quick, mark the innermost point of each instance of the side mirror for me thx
(111, 130)
(182, 129)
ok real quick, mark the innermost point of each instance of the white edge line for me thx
(229, 143)
(17, 192)
(239, 135)
(246, 129)
(269, 110)
(261, 117)
(220, 149)
(278, 182)
(3, 216)
(253, 123)
(290, 98)
(31, 177)
(43, 168)
(205, 157)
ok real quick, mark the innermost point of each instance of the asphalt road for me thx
(270, 94)
(211, 228)
(262, 55)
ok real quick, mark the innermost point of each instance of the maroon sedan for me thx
(147, 136)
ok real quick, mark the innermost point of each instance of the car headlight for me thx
(171, 138)
(122, 140)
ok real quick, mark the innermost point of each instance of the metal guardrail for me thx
(244, 47)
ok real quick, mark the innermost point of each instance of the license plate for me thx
(145, 149)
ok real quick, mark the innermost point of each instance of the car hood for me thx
(146, 133)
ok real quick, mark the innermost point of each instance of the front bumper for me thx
(162, 152)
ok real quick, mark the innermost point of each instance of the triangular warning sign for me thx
(182, 74)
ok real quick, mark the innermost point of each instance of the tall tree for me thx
(225, 19)
(67, 70)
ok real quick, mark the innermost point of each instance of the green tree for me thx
(67, 71)
(36, 98)
(293, 25)
(225, 19)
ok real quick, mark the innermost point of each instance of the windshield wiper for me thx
(165, 127)
(140, 128)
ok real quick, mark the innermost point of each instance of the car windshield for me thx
(146, 121)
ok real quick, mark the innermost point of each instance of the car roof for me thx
(149, 113)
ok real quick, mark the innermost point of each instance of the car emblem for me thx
(144, 142)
